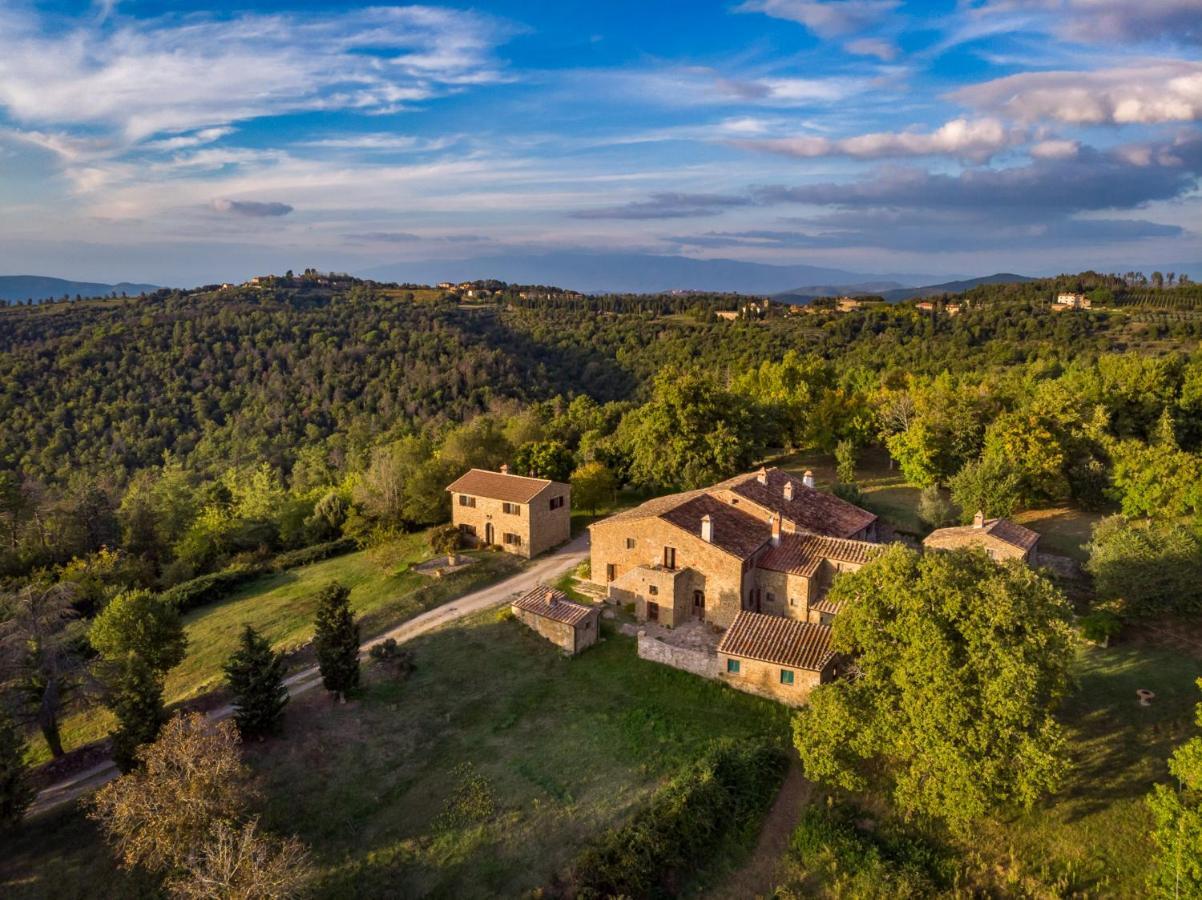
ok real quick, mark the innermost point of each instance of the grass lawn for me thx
(886, 493)
(281, 606)
(566, 747)
(1062, 530)
(1091, 839)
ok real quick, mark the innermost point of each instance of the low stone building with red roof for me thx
(776, 657)
(1000, 538)
(570, 626)
(764, 542)
(525, 516)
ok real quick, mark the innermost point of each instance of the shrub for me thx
(210, 588)
(725, 793)
(306, 555)
(388, 652)
(934, 508)
(471, 802)
(849, 491)
(1101, 625)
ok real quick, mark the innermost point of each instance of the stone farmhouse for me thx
(754, 556)
(570, 626)
(1067, 300)
(524, 516)
(1000, 538)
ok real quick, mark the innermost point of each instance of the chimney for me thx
(788, 489)
(978, 521)
(707, 529)
(504, 468)
(808, 479)
(762, 475)
(774, 523)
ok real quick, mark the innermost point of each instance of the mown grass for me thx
(566, 747)
(281, 606)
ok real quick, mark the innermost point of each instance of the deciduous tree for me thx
(593, 484)
(1177, 830)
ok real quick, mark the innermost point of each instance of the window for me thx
(770, 597)
(611, 572)
(669, 558)
(792, 601)
(732, 666)
(512, 539)
(653, 589)
(511, 509)
(465, 500)
(786, 676)
(467, 530)
(653, 611)
(556, 502)
(631, 543)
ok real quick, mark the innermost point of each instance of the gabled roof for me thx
(552, 604)
(652, 508)
(802, 554)
(778, 640)
(810, 509)
(738, 533)
(500, 486)
(1003, 529)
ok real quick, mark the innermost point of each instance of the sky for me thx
(184, 143)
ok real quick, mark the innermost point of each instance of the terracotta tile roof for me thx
(810, 509)
(778, 640)
(552, 604)
(496, 486)
(802, 554)
(1003, 529)
(735, 531)
(652, 508)
(827, 605)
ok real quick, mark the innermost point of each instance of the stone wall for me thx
(699, 662)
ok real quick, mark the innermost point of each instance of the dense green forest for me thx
(182, 429)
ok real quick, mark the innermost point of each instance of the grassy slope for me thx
(281, 606)
(568, 747)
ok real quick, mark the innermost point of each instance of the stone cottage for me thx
(1000, 538)
(776, 657)
(568, 625)
(525, 516)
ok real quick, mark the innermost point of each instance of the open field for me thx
(281, 606)
(566, 747)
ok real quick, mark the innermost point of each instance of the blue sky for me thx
(184, 142)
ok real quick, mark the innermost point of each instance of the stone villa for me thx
(525, 516)
(754, 556)
(1000, 538)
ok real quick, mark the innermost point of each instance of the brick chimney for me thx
(774, 524)
(504, 468)
(978, 521)
(808, 479)
(762, 475)
(788, 489)
(707, 529)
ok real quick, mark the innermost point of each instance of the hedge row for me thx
(206, 589)
(725, 792)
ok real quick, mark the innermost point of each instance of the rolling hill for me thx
(39, 287)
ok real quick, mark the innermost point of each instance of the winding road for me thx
(541, 570)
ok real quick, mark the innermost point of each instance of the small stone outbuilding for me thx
(776, 657)
(1000, 538)
(568, 625)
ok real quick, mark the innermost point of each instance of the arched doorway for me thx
(489, 535)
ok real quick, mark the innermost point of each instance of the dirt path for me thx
(546, 569)
(759, 876)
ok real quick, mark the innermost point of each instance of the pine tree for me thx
(255, 675)
(15, 791)
(137, 702)
(337, 641)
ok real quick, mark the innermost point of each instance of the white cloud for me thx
(1105, 21)
(177, 74)
(1169, 91)
(186, 141)
(974, 139)
(1055, 149)
(881, 49)
(825, 19)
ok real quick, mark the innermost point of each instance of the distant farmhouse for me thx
(1000, 538)
(524, 516)
(1072, 301)
(570, 626)
(758, 551)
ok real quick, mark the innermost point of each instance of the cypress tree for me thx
(337, 641)
(255, 675)
(15, 791)
(137, 702)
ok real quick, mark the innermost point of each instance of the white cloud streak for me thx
(975, 140)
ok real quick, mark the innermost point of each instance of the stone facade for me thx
(1001, 539)
(699, 662)
(765, 679)
(526, 518)
(570, 626)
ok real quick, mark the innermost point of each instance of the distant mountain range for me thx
(593, 273)
(39, 287)
(895, 292)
